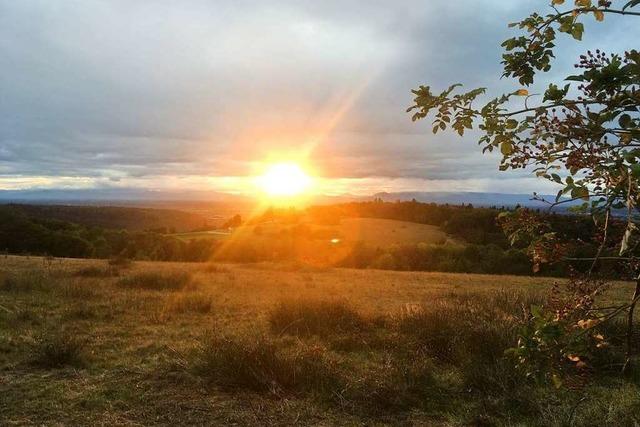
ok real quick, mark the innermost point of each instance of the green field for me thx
(371, 231)
(82, 343)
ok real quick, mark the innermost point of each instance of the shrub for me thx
(156, 281)
(315, 317)
(261, 364)
(384, 262)
(58, 350)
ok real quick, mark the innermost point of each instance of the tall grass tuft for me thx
(306, 317)
(471, 332)
(174, 281)
(98, 271)
(75, 290)
(58, 350)
(469, 324)
(402, 381)
(263, 364)
(190, 303)
(212, 267)
(120, 262)
(27, 281)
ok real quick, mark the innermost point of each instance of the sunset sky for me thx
(204, 94)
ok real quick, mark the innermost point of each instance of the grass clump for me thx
(307, 317)
(175, 280)
(26, 281)
(465, 326)
(213, 267)
(58, 350)
(120, 262)
(190, 303)
(263, 364)
(76, 290)
(399, 382)
(98, 271)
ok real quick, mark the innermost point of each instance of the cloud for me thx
(135, 92)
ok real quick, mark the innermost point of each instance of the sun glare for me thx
(284, 180)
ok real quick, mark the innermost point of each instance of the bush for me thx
(58, 350)
(315, 317)
(156, 281)
(262, 364)
(384, 262)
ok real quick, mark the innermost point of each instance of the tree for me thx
(582, 133)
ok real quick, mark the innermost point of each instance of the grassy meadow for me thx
(376, 232)
(85, 342)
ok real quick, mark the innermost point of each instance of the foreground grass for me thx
(82, 342)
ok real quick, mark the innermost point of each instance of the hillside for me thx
(273, 344)
(376, 232)
(115, 217)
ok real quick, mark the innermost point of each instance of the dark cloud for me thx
(120, 89)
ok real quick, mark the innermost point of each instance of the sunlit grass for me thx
(305, 345)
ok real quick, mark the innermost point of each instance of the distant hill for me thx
(457, 198)
(113, 217)
(137, 197)
(110, 195)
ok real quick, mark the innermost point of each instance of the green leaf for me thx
(580, 192)
(624, 121)
(577, 31)
(506, 148)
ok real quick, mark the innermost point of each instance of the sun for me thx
(284, 180)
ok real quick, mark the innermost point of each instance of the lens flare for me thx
(284, 180)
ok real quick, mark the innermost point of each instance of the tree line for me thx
(486, 249)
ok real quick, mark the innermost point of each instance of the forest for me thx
(486, 249)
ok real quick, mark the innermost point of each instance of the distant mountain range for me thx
(134, 196)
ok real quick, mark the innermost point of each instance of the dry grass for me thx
(260, 363)
(274, 345)
(155, 281)
(98, 271)
(315, 317)
(198, 303)
(57, 350)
